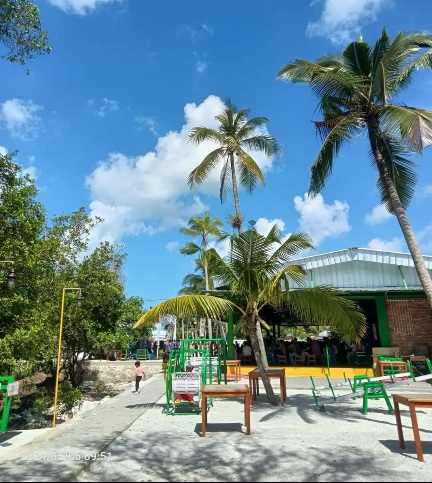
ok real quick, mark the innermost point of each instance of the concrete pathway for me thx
(294, 442)
(61, 453)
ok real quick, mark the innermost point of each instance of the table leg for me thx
(247, 405)
(204, 415)
(399, 425)
(417, 440)
(281, 390)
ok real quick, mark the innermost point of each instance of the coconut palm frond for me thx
(188, 306)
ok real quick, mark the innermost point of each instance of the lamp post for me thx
(79, 301)
(11, 278)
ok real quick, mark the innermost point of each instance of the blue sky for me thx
(102, 122)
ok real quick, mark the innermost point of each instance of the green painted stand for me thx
(4, 382)
(358, 381)
(176, 367)
(316, 391)
(375, 390)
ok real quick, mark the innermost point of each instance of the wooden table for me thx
(398, 366)
(237, 368)
(255, 375)
(233, 390)
(413, 401)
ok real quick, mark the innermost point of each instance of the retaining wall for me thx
(117, 372)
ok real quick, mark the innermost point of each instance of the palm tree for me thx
(355, 92)
(234, 136)
(257, 274)
(203, 227)
(195, 283)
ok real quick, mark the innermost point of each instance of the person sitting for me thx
(316, 350)
(294, 350)
(246, 352)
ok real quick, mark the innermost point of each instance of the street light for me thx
(11, 278)
(78, 301)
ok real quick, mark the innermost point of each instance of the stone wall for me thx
(117, 372)
(410, 325)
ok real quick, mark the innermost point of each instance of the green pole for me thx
(230, 318)
(383, 327)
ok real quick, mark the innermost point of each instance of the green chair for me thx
(142, 354)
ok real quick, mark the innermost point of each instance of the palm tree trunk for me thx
(401, 216)
(236, 196)
(253, 326)
(262, 346)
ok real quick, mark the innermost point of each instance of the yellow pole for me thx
(58, 358)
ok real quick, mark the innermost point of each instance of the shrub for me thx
(41, 404)
(69, 398)
(100, 386)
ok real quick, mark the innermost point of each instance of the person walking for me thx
(139, 374)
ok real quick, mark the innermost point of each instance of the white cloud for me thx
(149, 123)
(320, 220)
(396, 244)
(20, 118)
(202, 32)
(427, 190)
(3, 151)
(263, 225)
(80, 7)
(107, 105)
(341, 20)
(424, 238)
(31, 170)
(201, 66)
(149, 193)
(378, 215)
(171, 246)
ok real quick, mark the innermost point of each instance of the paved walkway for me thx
(294, 442)
(61, 453)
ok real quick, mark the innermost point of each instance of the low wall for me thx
(117, 372)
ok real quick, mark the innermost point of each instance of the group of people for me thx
(296, 352)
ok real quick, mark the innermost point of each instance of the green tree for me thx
(99, 277)
(203, 227)
(257, 274)
(355, 91)
(234, 136)
(21, 31)
(22, 223)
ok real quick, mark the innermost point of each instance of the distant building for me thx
(386, 286)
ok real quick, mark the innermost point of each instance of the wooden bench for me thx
(233, 390)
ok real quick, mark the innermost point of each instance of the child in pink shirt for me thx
(139, 374)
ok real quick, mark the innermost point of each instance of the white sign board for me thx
(13, 389)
